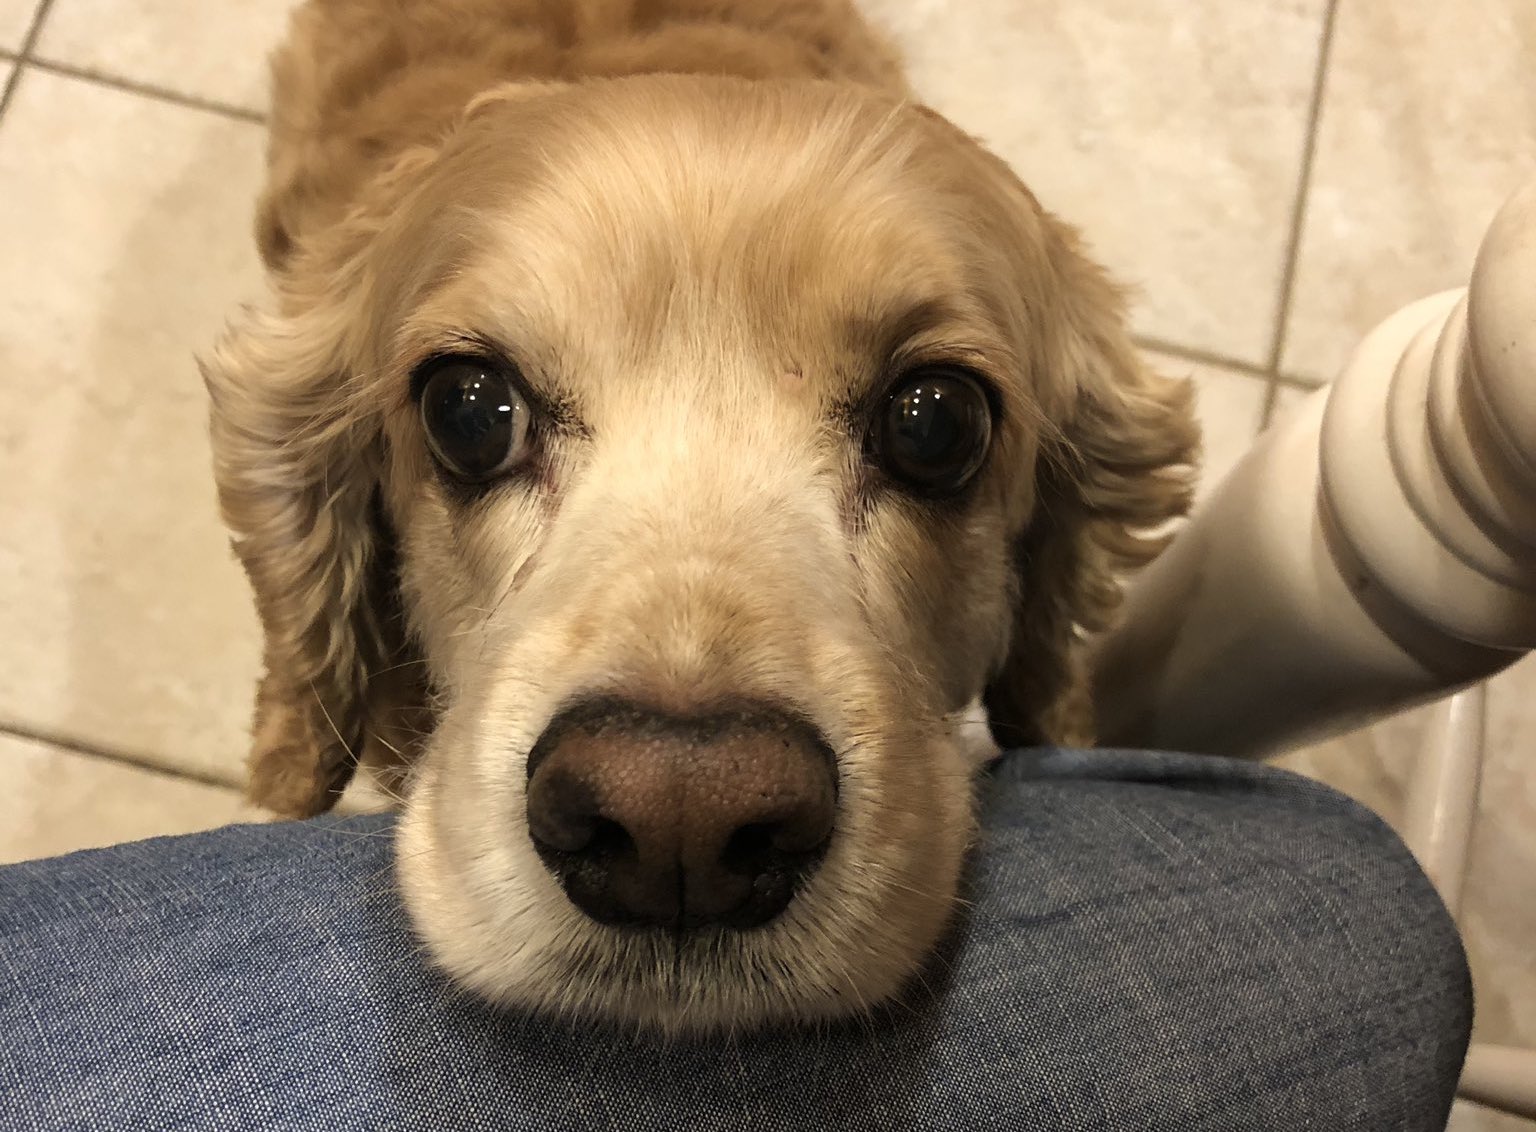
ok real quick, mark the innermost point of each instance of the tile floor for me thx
(1273, 175)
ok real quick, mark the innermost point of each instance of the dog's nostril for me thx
(773, 857)
(749, 847)
(761, 844)
(562, 813)
(609, 839)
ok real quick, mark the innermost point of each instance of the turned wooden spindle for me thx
(1376, 551)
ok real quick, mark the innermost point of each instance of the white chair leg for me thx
(1443, 794)
(1374, 552)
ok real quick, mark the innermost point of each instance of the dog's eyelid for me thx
(473, 351)
(552, 410)
(855, 412)
(974, 360)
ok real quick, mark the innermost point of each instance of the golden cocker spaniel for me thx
(663, 440)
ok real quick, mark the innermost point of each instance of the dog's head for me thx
(668, 468)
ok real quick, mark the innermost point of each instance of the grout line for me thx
(9, 90)
(23, 53)
(26, 57)
(1271, 403)
(147, 90)
(34, 29)
(1199, 356)
(1299, 205)
(105, 754)
(1280, 383)
(1296, 381)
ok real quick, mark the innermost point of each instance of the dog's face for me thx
(712, 450)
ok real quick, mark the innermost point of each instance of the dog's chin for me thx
(653, 983)
(499, 926)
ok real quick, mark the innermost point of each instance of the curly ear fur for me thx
(296, 485)
(1121, 465)
(297, 461)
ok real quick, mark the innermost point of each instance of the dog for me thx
(674, 458)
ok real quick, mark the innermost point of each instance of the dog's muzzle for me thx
(655, 820)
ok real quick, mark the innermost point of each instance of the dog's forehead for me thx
(784, 226)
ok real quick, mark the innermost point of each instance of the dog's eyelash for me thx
(554, 410)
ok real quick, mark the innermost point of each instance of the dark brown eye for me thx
(933, 433)
(478, 425)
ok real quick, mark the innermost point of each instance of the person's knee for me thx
(1253, 934)
(1379, 972)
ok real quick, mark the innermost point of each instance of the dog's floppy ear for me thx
(1119, 463)
(297, 483)
(298, 456)
(298, 445)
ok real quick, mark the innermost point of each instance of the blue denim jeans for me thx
(1153, 941)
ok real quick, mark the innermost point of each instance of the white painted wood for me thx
(1375, 552)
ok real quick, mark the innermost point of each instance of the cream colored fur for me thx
(710, 230)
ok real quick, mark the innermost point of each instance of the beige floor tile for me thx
(208, 50)
(15, 19)
(1429, 122)
(125, 620)
(1467, 1117)
(56, 801)
(1230, 405)
(1171, 132)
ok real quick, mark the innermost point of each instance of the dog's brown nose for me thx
(650, 819)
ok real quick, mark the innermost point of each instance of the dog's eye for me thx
(477, 423)
(933, 433)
